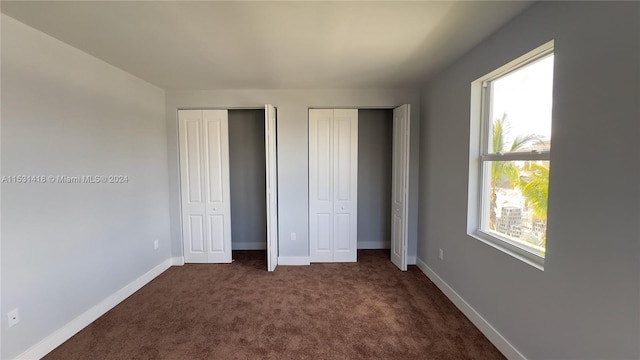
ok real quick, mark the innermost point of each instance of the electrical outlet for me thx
(155, 244)
(441, 254)
(293, 236)
(14, 317)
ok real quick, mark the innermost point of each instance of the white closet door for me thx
(333, 171)
(192, 186)
(204, 178)
(345, 179)
(272, 186)
(400, 187)
(216, 156)
(321, 185)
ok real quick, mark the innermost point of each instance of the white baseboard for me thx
(63, 334)
(177, 261)
(294, 260)
(411, 259)
(370, 245)
(483, 325)
(257, 245)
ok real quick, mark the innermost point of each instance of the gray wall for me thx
(248, 182)
(586, 302)
(375, 140)
(293, 168)
(67, 247)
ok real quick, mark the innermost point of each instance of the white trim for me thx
(411, 259)
(518, 156)
(481, 323)
(177, 261)
(374, 245)
(253, 245)
(526, 59)
(294, 260)
(63, 334)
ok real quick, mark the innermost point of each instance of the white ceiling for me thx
(271, 45)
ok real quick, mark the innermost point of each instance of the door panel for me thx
(214, 144)
(216, 123)
(193, 161)
(323, 158)
(346, 185)
(320, 184)
(195, 234)
(217, 230)
(400, 187)
(192, 186)
(343, 232)
(324, 232)
(320, 233)
(343, 158)
(272, 186)
(396, 246)
(345, 248)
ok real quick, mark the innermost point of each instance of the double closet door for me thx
(204, 173)
(333, 185)
(205, 186)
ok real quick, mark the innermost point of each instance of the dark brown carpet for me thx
(364, 310)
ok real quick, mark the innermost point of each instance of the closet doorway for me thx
(228, 178)
(358, 183)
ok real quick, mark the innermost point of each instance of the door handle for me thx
(215, 209)
(342, 208)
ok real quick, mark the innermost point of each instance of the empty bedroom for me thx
(319, 180)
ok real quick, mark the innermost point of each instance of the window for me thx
(510, 155)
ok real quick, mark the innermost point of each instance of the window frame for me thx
(480, 160)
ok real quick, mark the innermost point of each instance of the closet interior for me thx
(247, 179)
(375, 149)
